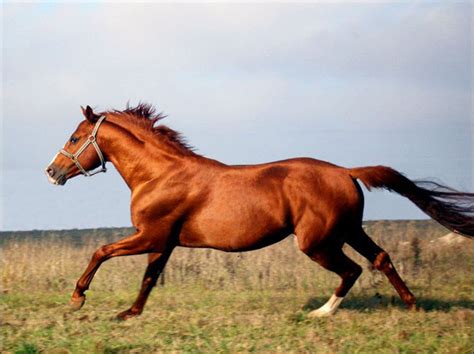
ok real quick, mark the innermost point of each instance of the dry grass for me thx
(215, 301)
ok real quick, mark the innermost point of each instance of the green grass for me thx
(217, 302)
(200, 320)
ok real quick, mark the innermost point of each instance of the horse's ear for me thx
(89, 114)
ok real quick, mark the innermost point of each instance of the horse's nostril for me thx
(50, 172)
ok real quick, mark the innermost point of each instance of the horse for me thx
(180, 198)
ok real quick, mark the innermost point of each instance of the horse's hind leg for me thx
(156, 264)
(363, 244)
(335, 260)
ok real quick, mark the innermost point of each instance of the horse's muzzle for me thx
(54, 176)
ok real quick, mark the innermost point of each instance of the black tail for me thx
(449, 207)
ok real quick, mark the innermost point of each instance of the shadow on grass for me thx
(364, 303)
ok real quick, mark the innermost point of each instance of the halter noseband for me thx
(91, 139)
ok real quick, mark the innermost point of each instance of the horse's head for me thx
(81, 154)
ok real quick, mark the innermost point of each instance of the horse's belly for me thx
(239, 229)
(233, 242)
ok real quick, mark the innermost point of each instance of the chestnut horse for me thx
(179, 198)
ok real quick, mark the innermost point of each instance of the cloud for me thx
(240, 65)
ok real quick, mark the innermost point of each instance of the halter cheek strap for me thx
(91, 139)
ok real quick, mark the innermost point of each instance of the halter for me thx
(91, 139)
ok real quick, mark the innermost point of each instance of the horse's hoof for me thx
(320, 313)
(125, 315)
(76, 303)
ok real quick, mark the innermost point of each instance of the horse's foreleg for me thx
(336, 261)
(156, 264)
(363, 244)
(134, 244)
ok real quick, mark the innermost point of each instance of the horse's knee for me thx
(101, 253)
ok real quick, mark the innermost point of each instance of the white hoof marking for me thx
(328, 308)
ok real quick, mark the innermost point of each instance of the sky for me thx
(351, 83)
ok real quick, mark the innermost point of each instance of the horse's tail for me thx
(451, 208)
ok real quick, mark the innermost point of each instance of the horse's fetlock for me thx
(410, 299)
(136, 310)
(81, 287)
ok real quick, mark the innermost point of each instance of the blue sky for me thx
(354, 84)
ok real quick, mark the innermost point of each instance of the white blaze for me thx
(54, 158)
(50, 179)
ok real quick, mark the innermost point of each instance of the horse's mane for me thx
(145, 116)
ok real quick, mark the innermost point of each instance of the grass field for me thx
(256, 301)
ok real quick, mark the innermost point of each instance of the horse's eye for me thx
(73, 140)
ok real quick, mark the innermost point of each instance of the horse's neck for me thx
(136, 162)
